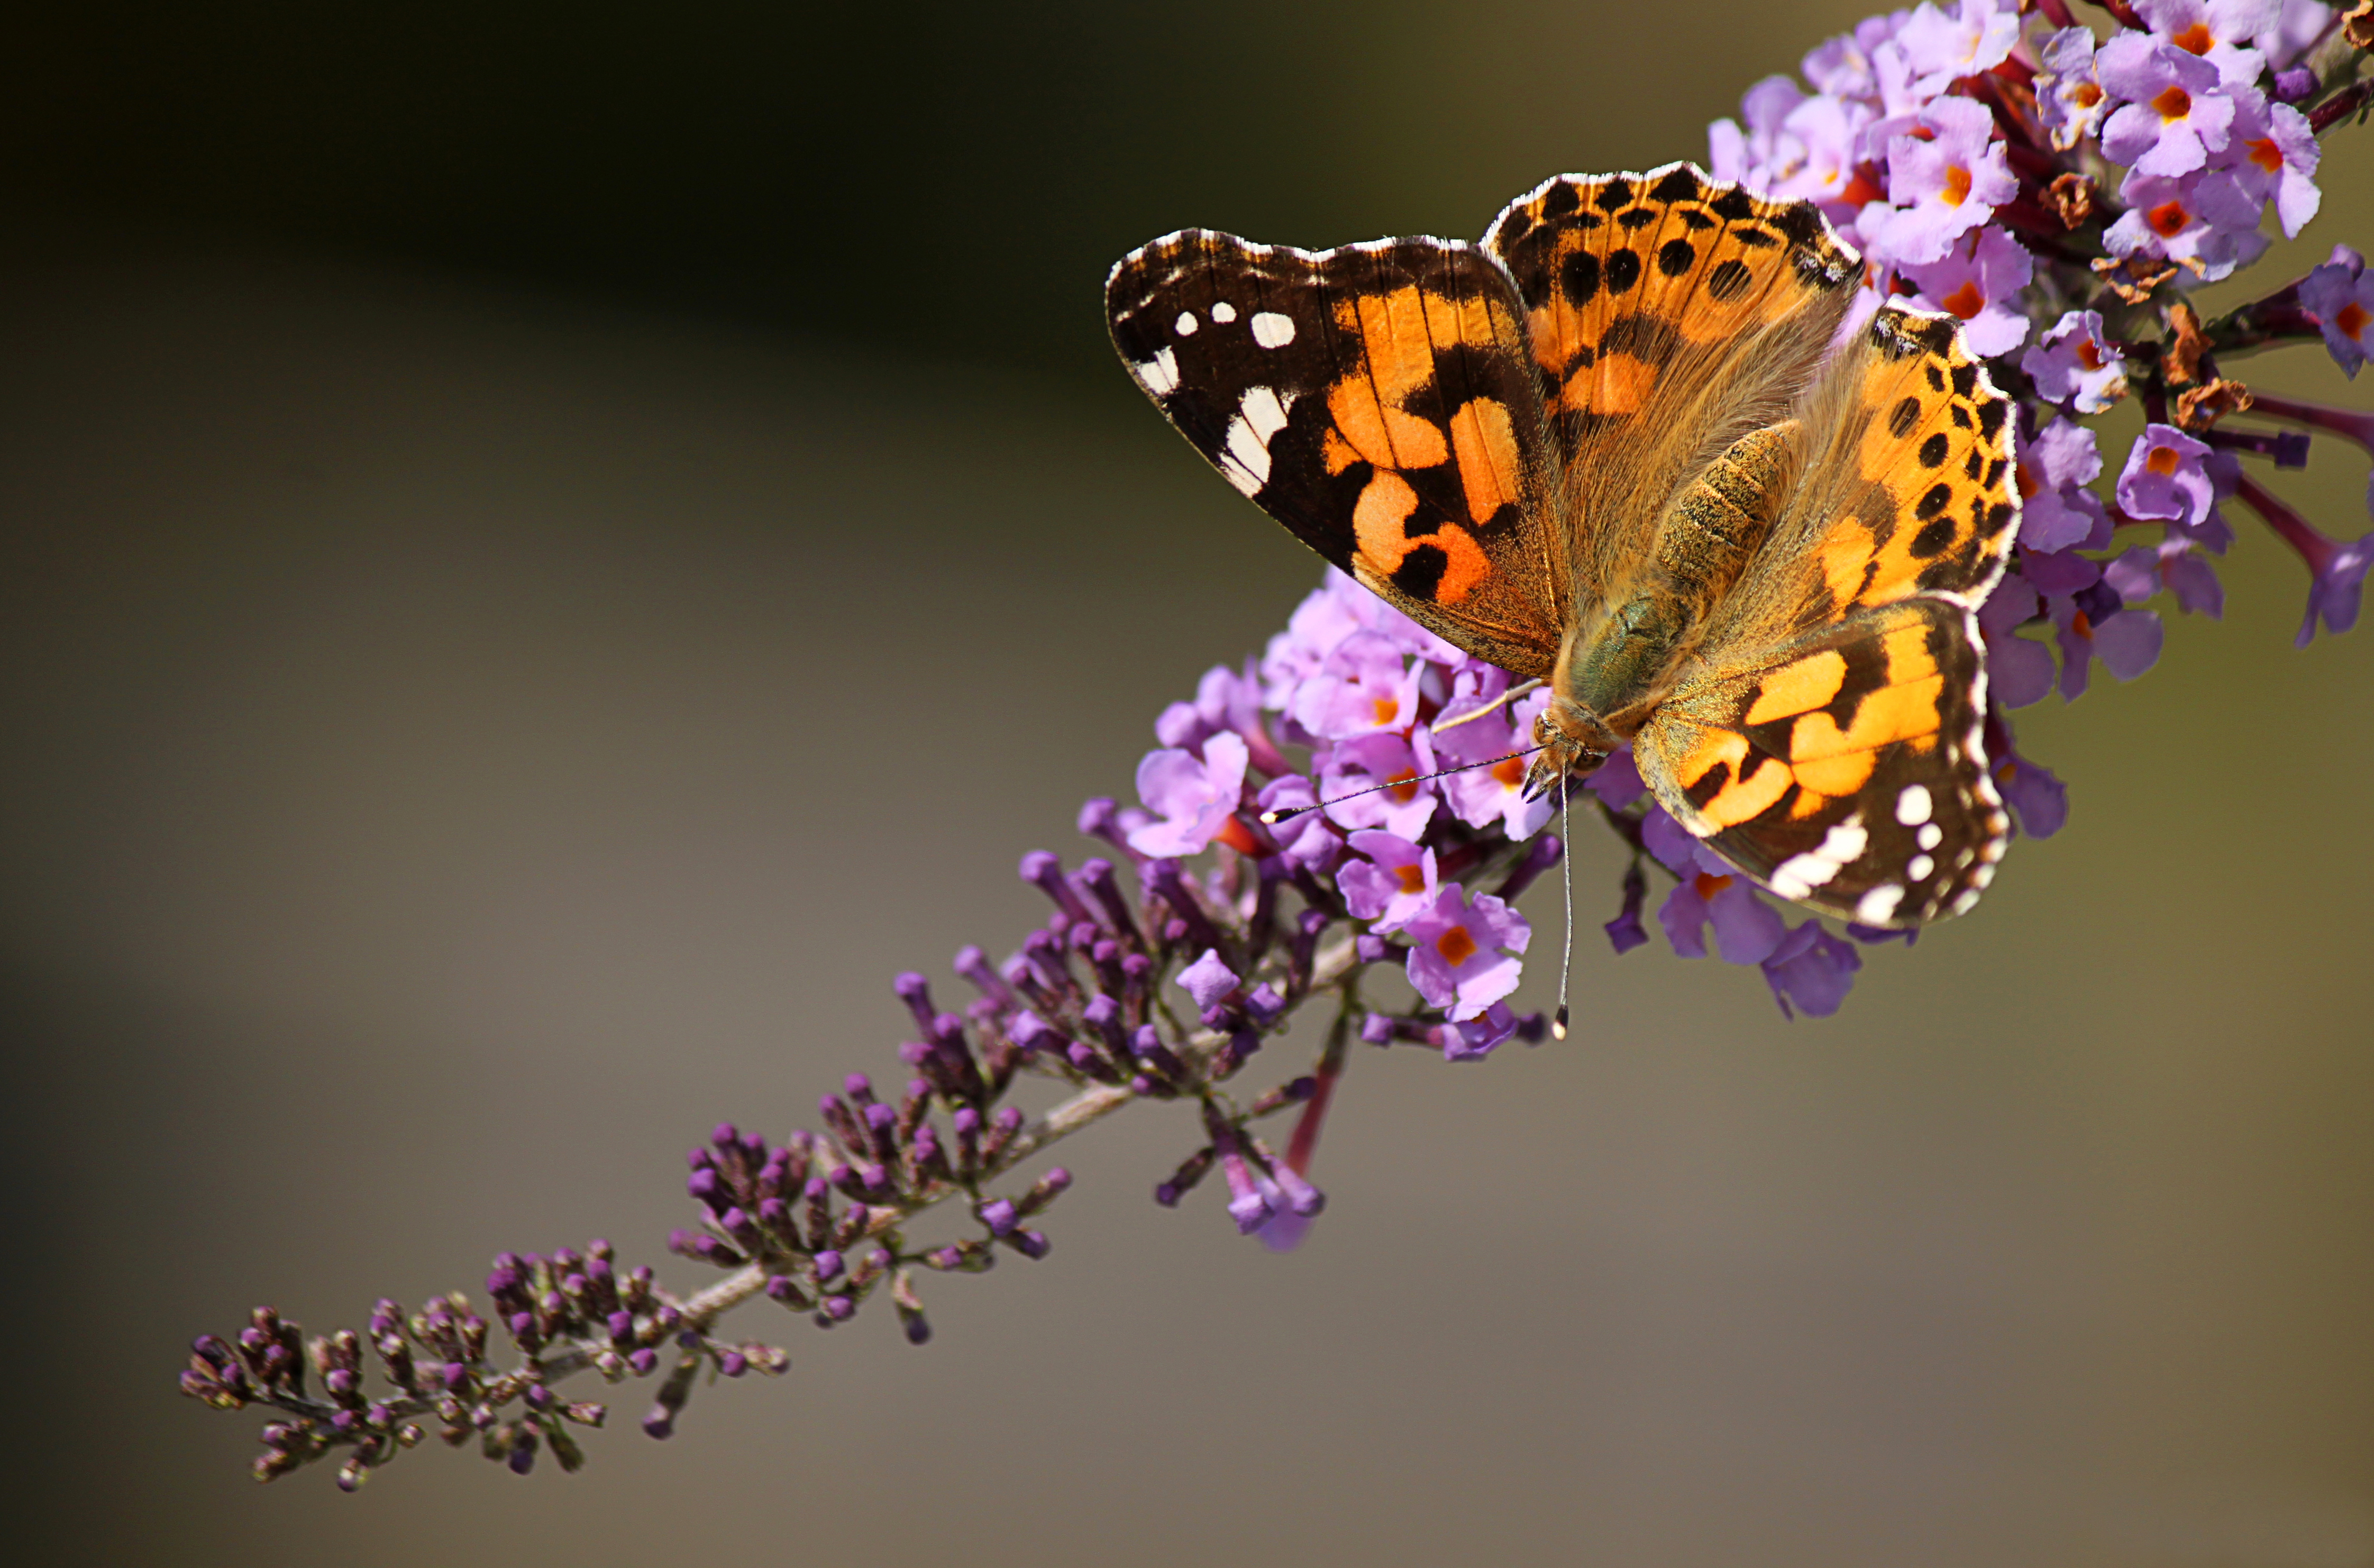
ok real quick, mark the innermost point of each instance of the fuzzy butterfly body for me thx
(1625, 445)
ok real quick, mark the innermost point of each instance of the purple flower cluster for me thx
(2058, 192)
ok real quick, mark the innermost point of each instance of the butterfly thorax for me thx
(1621, 656)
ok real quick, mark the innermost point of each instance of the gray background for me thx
(499, 672)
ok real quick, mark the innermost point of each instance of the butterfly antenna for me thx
(1565, 879)
(1502, 700)
(1280, 815)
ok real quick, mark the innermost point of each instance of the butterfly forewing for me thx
(1668, 315)
(1377, 401)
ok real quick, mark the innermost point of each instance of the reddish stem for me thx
(2288, 525)
(2340, 106)
(2345, 422)
(2057, 13)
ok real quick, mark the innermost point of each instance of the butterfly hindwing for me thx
(1847, 772)
(1378, 401)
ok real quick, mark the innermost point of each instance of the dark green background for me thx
(554, 550)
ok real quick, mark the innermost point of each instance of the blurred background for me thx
(554, 550)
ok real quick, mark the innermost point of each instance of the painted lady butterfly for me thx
(1626, 445)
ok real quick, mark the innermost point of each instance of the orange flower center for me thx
(1708, 884)
(1957, 185)
(2090, 353)
(2174, 103)
(2162, 461)
(2168, 220)
(2086, 94)
(1455, 946)
(1403, 784)
(1412, 877)
(2026, 478)
(1510, 770)
(2195, 40)
(2267, 155)
(1384, 708)
(2081, 624)
(2353, 319)
(1964, 301)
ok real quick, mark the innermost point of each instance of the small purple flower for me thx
(2273, 156)
(1360, 688)
(1208, 980)
(2069, 97)
(2057, 513)
(2165, 476)
(1307, 838)
(1670, 843)
(2019, 669)
(2340, 295)
(2174, 113)
(2140, 573)
(2126, 641)
(2219, 32)
(1980, 280)
(1946, 176)
(1760, 155)
(2073, 364)
(1944, 49)
(1473, 1039)
(1811, 968)
(1841, 66)
(2205, 223)
(1193, 797)
(2039, 799)
(1403, 810)
(1491, 787)
(1393, 885)
(2334, 590)
(1463, 957)
(1747, 930)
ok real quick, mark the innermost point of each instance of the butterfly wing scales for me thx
(1847, 772)
(1377, 401)
(1668, 315)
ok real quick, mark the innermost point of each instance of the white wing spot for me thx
(1920, 867)
(1272, 330)
(1801, 874)
(1263, 412)
(1913, 804)
(1930, 836)
(1878, 906)
(1186, 324)
(1224, 312)
(1160, 373)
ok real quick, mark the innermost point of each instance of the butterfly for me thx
(1634, 444)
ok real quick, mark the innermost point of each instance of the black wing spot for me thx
(1936, 378)
(1727, 282)
(1802, 221)
(1966, 377)
(1754, 238)
(1696, 220)
(1512, 231)
(1976, 465)
(1676, 257)
(1580, 278)
(1733, 205)
(1680, 185)
(1933, 538)
(1939, 498)
(1623, 271)
(1999, 516)
(1962, 413)
(1420, 572)
(1905, 414)
(1638, 217)
(1933, 451)
(1619, 193)
(1991, 418)
(1561, 199)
